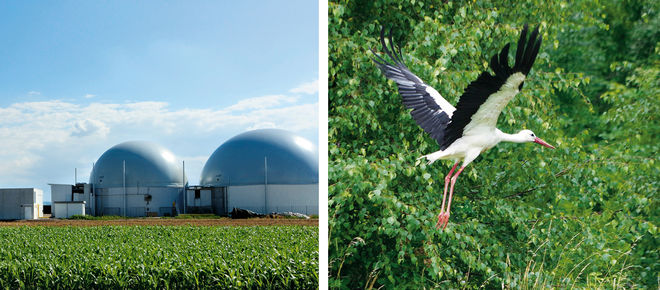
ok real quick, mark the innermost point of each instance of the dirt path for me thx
(165, 222)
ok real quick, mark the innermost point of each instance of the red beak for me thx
(539, 141)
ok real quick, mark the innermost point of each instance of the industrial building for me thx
(264, 171)
(67, 209)
(70, 199)
(267, 170)
(137, 179)
(21, 203)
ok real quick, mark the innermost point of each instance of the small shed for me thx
(21, 203)
(66, 209)
(68, 192)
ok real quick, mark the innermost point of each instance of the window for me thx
(197, 194)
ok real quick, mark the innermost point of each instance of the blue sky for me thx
(77, 77)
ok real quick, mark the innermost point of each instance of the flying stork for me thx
(467, 130)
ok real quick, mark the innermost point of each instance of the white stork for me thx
(469, 129)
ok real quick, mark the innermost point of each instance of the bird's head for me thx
(529, 136)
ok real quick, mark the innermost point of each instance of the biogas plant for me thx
(264, 171)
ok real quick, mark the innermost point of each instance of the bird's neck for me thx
(515, 138)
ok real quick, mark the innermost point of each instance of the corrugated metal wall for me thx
(139, 201)
(300, 198)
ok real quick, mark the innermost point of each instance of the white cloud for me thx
(306, 88)
(43, 141)
(16, 166)
(262, 102)
(89, 127)
(263, 125)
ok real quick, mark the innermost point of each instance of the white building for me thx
(75, 194)
(21, 203)
(66, 209)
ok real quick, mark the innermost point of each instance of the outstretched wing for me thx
(429, 109)
(483, 99)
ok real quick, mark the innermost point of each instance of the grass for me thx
(567, 272)
(181, 216)
(97, 218)
(114, 217)
(198, 216)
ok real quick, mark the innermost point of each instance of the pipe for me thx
(75, 181)
(92, 181)
(265, 185)
(185, 192)
(125, 214)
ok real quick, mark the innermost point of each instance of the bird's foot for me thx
(443, 219)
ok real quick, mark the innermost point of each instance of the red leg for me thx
(451, 192)
(447, 178)
(444, 195)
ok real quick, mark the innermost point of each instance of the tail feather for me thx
(430, 158)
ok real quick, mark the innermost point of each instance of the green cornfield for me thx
(164, 257)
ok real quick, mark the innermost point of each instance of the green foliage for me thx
(198, 216)
(97, 218)
(583, 215)
(159, 257)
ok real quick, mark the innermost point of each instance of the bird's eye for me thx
(531, 134)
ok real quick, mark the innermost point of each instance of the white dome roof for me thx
(291, 159)
(147, 164)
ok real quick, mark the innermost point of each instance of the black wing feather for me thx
(486, 84)
(425, 111)
(521, 44)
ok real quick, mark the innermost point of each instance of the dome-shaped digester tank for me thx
(267, 170)
(137, 178)
(147, 164)
(243, 160)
